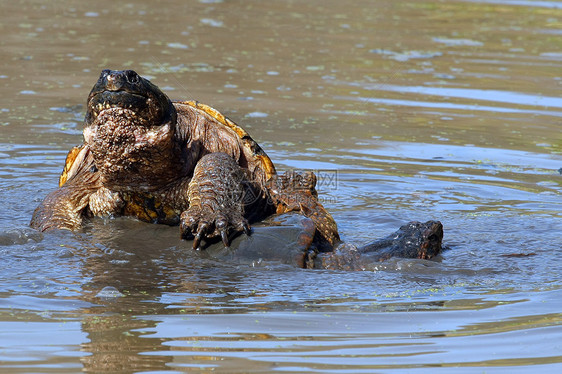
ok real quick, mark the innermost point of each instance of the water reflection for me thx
(113, 346)
(140, 273)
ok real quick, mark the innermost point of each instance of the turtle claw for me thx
(244, 226)
(200, 224)
(224, 236)
(201, 230)
(222, 226)
(196, 243)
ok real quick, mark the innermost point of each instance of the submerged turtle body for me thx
(180, 163)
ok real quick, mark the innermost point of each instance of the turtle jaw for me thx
(120, 99)
(146, 109)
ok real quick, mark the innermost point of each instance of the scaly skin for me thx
(219, 194)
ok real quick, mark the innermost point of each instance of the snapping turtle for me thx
(185, 163)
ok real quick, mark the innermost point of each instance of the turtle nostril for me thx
(114, 81)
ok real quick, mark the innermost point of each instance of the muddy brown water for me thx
(410, 110)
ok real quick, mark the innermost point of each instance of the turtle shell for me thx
(249, 154)
(73, 160)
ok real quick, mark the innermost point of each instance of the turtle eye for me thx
(132, 76)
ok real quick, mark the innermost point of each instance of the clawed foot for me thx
(216, 201)
(199, 223)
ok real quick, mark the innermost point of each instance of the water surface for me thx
(411, 110)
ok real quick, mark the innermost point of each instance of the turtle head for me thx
(125, 89)
(130, 127)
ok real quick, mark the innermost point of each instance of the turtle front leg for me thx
(61, 209)
(218, 195)
(65, 207)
